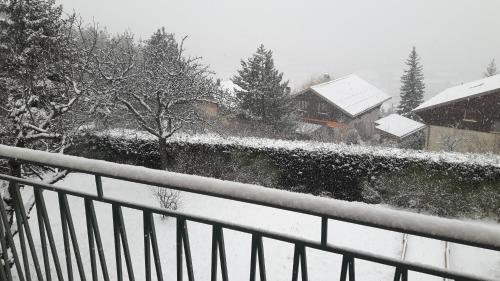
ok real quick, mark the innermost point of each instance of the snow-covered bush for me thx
(434, 182)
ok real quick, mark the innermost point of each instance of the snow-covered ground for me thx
(279, 255)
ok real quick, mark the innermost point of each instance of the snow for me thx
(278, 255)
(465, 91)
(306, 128)
(320, 147)
(351, 94)
(398, 125)
(229, 86)
(348, 211)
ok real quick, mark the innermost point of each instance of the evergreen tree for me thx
(264, 95)
(491, 69)
(412, 86)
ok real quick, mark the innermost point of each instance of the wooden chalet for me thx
(347, 102)
(471, 106)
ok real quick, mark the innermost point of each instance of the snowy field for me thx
(279, 255)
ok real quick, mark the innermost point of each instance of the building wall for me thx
(450, 139)
(478, 114)
(365, 123)
(312, 107)
(209, 109)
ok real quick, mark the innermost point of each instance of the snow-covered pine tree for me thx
(491, 69)
(264, 95)
(412, 86)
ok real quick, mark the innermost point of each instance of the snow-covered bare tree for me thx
(314, 81)
(264, 95)
(491, 69)
(165, 89)
(44, 67)
(412, 86)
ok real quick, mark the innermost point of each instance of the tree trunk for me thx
(163, 153)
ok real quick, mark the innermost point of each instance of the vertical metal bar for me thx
(303, 263)
(90, 235)
(67, 249)
(324, 231)
(50, 237)
(22, 238)
(179, 248)
(5, 254)
(43, 240)
(253, 258)
(126, 251)
(187, 251)
(118, 255)
(262, 264)
(343, 270)
(74, 240)
(147, 250)
(295, 268)
(347, 265)
(156, 254)
(222, 255)
(401, 274)
(10, 240)
(98, 184)
(352, 274)
(21, 213)
(100, 248)
(214, 254)
(183, 240)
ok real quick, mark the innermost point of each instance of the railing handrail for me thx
(284, 237)
(467, 233)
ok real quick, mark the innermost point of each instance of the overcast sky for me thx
(456, 39)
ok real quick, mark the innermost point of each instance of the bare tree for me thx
(451, 142)
(45, 62)
(168, 198)
(162, 88)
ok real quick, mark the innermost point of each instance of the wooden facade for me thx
(315, 109)
(477, 114)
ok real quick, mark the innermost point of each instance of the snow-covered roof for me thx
(465, 91)
(398, 125)
(351, 94)
(229, 86)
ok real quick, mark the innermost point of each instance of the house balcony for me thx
(120, 238)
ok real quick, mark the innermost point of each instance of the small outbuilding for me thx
(397, 127)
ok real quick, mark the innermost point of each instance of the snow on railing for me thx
(468, 233)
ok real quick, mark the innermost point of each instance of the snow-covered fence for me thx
(450, 184)
(472, 234)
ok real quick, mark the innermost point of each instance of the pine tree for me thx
(412, 86)
(264, 95)
(491, 69)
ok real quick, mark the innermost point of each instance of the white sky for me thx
(455, 38)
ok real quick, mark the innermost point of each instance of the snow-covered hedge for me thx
(436, 182)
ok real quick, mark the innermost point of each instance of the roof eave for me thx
(416, 110)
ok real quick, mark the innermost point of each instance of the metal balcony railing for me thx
(327, 209)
